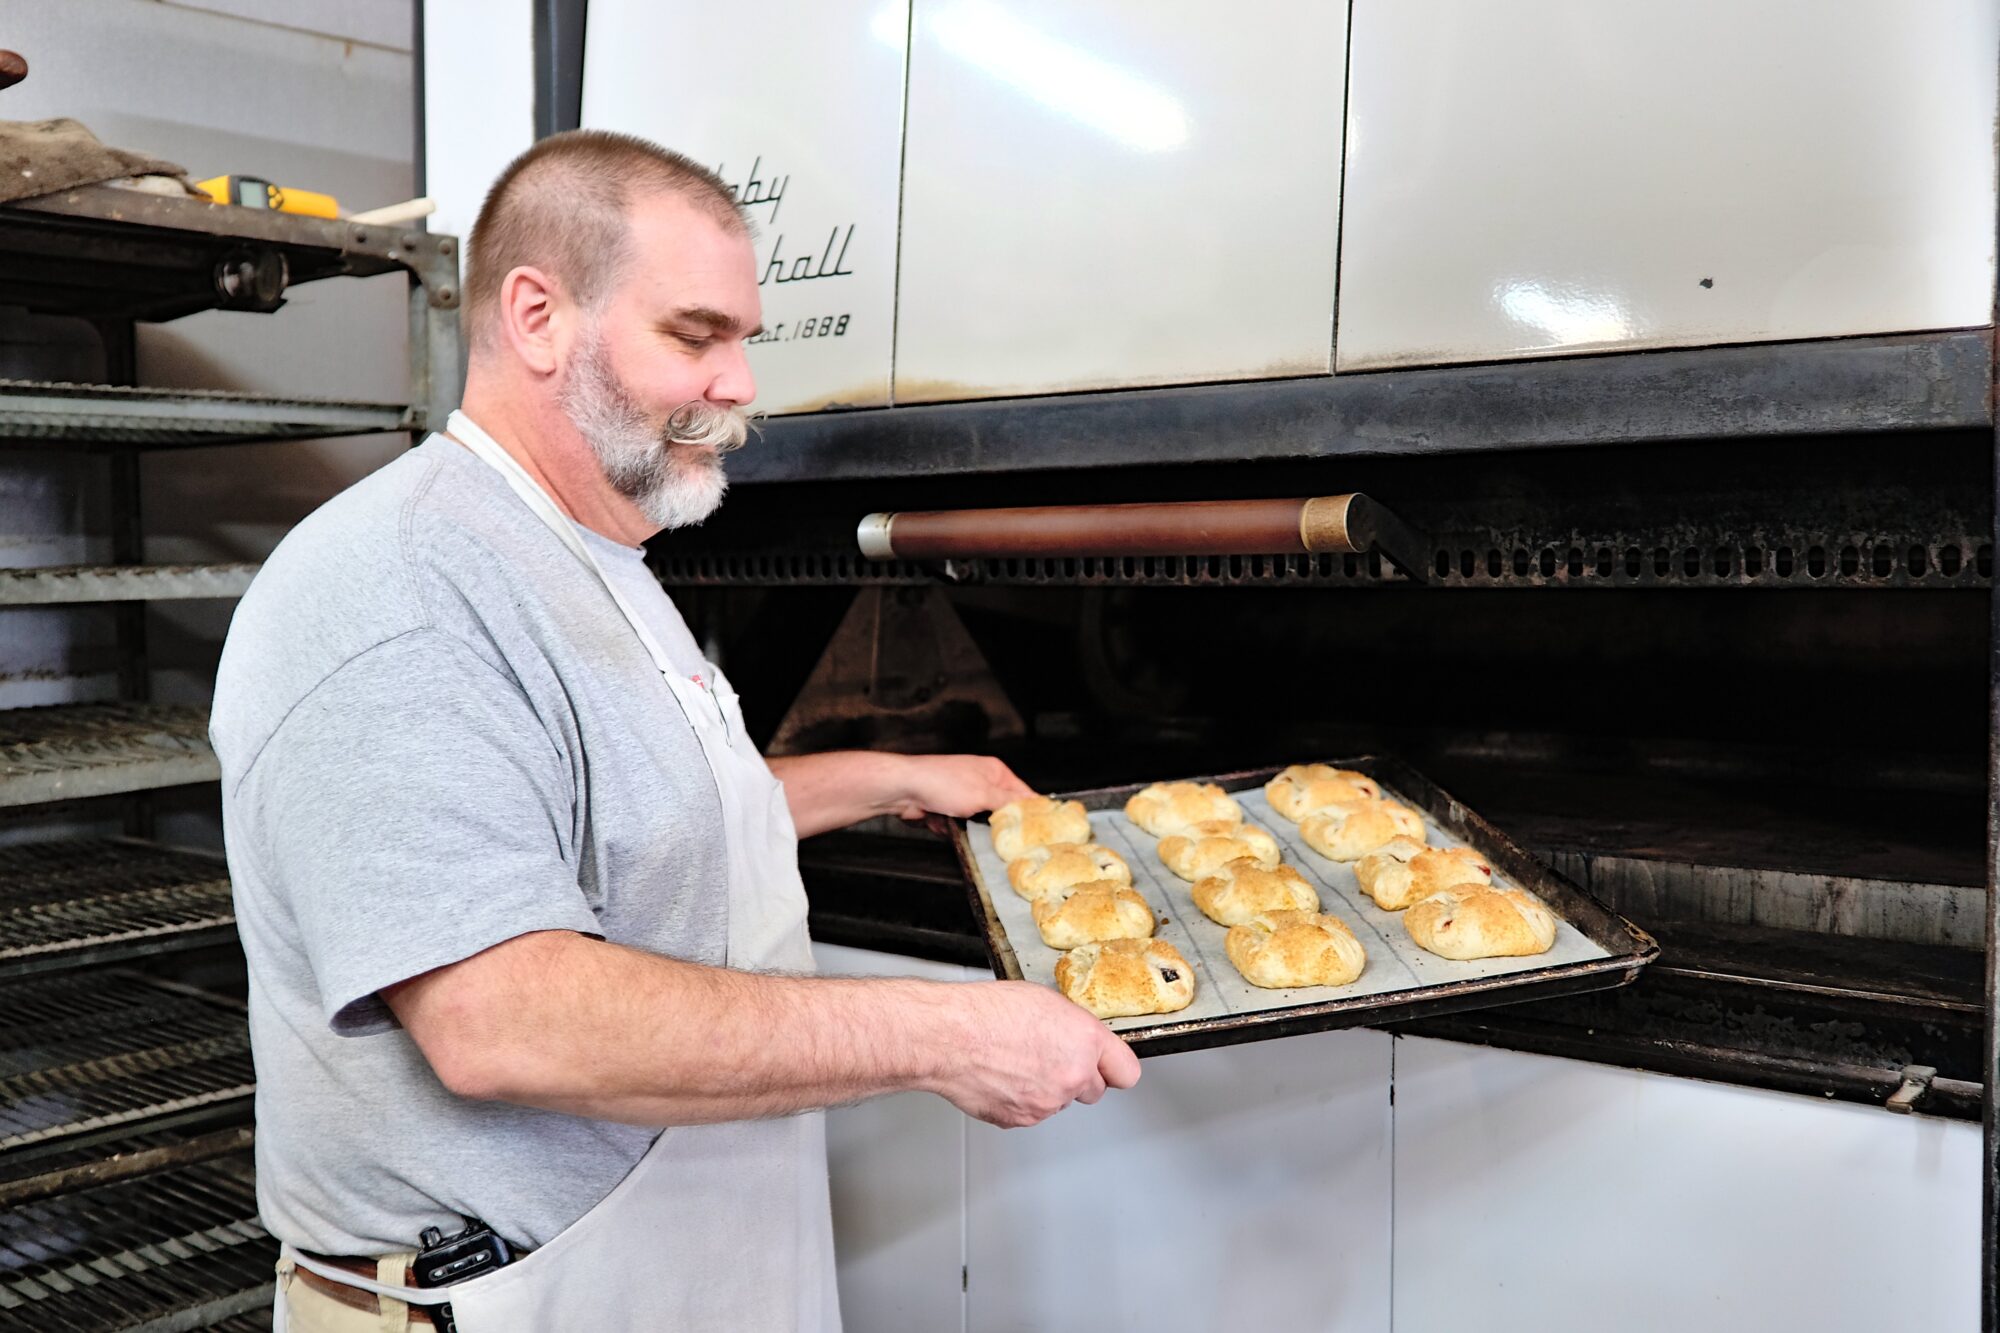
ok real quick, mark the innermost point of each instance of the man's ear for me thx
(530, 318)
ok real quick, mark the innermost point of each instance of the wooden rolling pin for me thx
(1349, 524)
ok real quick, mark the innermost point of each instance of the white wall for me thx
(479, 101)
(383, 23)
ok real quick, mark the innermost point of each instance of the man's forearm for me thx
(572, 1024)
(841, 787)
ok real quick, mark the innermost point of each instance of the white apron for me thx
(718, 1226)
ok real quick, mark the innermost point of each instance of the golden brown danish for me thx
(1206, 848)
(1279, 950)
(1242, 889)
(1126, 978)
(1037, 821)
(1345, 832)
(1086, 913)
(1174, 807)
(1402, 871)
(1468, 922)
(1304, 788)
(1041, 870)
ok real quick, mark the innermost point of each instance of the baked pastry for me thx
(1345, 832)
(1402, 871)
(1037, 821)
(1042, 870)
(1125, 978)
(1206, 848)
(1242, 889)
(1304, 788)
(1279, 950)
(1086, 913)
(1473, 922)
(1174, 807)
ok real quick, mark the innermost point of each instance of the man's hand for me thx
(843, 787)
(1026, 1053)
(957, 785)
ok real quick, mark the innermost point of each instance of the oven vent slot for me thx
(1779, 559)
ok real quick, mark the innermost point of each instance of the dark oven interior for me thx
(1735, 688)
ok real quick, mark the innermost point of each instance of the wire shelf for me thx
(68, 751)
(63, 903)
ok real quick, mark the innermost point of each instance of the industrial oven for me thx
(1735, 684)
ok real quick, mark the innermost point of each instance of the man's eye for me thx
(692, 341)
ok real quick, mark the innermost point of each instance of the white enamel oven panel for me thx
(1238, 1187)
(897, 1170)
(1552, 176)
(1124, 193)
(1538, 1195)
(798, 105)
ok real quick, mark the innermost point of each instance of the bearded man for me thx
(519, 899)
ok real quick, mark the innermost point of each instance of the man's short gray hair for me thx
(561, 207)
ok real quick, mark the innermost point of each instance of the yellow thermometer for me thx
(251, 192)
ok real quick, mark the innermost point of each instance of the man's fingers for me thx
(923, 819)
(1090, 1094)
(959, 786)
(1118, 1066)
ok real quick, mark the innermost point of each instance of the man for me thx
(519, 901)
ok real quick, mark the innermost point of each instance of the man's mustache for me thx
(723, 429)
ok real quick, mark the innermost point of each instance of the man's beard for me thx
(671, 471)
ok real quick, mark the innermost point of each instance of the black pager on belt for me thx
(443, 1260)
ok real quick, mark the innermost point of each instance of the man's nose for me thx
(734, 385)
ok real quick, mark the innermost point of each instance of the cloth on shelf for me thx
(43, 156)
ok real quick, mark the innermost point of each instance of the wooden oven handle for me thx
(1349, 524)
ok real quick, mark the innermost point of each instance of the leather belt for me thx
(356, 1298)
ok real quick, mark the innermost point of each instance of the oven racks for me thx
(60, 585)
(89, 1057)
(97, 414)
(65, 903)
(66, 751)
(178, 1249)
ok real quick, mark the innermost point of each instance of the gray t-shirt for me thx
(626, 567)
(437, 732)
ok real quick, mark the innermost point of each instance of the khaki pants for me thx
(311, 1310)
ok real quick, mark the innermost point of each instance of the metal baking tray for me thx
(1595, 948)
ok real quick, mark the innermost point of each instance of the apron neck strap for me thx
(468, 432)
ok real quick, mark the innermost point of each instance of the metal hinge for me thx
(1916, 1082)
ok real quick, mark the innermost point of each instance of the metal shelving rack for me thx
(126, 1188)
